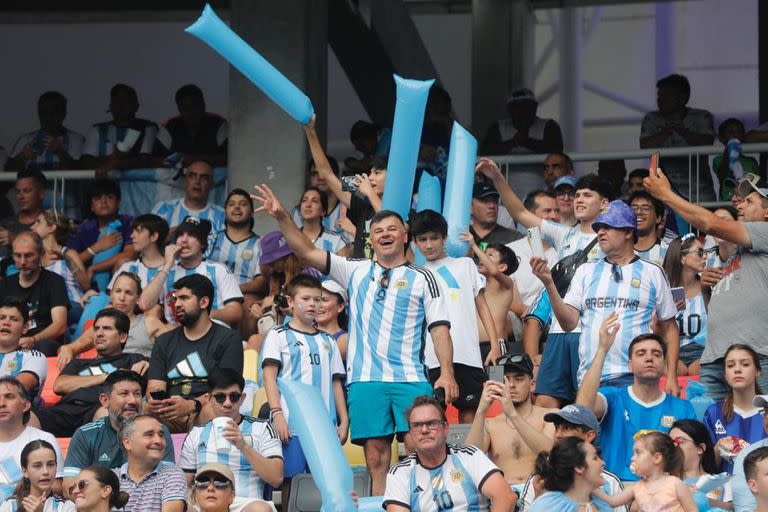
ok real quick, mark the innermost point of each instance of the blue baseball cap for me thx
(617, 215)
(567, 180)
(577, 414)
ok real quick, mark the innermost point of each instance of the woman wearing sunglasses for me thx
(684, 261)
(98, 490)
(213, 489)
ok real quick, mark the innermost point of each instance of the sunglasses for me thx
(381, 294)
(699, 252)
(204, 483)
(234, 397)
(80, 486)
(431, 425)
(562, 192)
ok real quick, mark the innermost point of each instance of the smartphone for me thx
(440, 395)
(349, 184)
(534, 239)
(654, 164)
(678, 294)
(159, 395)
(496, 373)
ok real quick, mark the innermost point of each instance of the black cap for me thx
(520, 363)
(483, 189)
(195, 226)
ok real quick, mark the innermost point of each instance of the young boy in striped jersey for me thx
(464, 289)
(299, 351)
(251, 448)
(148, 236)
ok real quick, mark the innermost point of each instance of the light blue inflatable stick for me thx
(429, 199)
(458, 189)
(406, 139)
(310, 421)
(95, 304)
(211, 30)
(102, 278)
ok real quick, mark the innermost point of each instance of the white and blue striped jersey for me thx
(242, 258)
(25, 360)
(328, 241)
(310, 358)
(692, 322)
(137, 267)
(102, 137)
(566, 240)
(641, 291)
(61, 268)
(225, 287)
(10, 458)
(330, 222)
(655, 254)
(52, 504)
(199, 448)
(387, 323)
(174, 211)
(45, 159)
(460, 283)
(455, 486)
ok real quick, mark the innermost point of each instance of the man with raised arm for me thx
(391, 302)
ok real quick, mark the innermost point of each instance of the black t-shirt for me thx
(360, 213)
(498, 235)
(89, 396)
(184, 364)
(48, 292)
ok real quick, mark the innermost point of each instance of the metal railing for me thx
(59, 178)
(692, 152)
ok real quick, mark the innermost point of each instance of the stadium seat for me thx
(48, 396)
(89, 354)
(259, 399)
(305, 496)
(681, 381)
(251, 365)
(64, 445)
(356, 455)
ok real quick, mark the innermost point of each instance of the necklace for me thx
(525, 418)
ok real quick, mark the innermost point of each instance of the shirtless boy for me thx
(497, 264)
(513, 439)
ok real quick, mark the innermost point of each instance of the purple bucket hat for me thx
(273, 247)
(618, 215)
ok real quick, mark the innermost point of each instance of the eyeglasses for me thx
(381, 294)
(642, 208)
(562, 192)
(217, 483)
(430, 424)
(699, 252)
(220, 398)
(616, 272)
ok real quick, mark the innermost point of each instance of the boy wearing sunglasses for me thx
(251, 447)
(299, 351)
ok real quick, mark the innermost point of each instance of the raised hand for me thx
(488, 168)
(657, 184)
(267, 200)
(608, 330)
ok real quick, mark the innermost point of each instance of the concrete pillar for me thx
(666, 39)
(265, 144)
(571, 91)
(502, 57)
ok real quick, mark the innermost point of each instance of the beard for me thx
(239, 224)
(188, 319)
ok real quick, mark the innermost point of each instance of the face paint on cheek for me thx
(300, 306)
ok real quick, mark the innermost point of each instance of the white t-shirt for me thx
(528, 285)
(199, 448)
(225, 285)
(460, 283)
(455, 485)
(10, 458)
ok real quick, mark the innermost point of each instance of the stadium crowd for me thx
(515, 377)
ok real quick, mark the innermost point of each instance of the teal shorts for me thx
(377, 409)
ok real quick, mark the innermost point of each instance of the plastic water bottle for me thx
(700, 402)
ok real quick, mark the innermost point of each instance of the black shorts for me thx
(63, 419)
(485, 349)
(470, 380)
